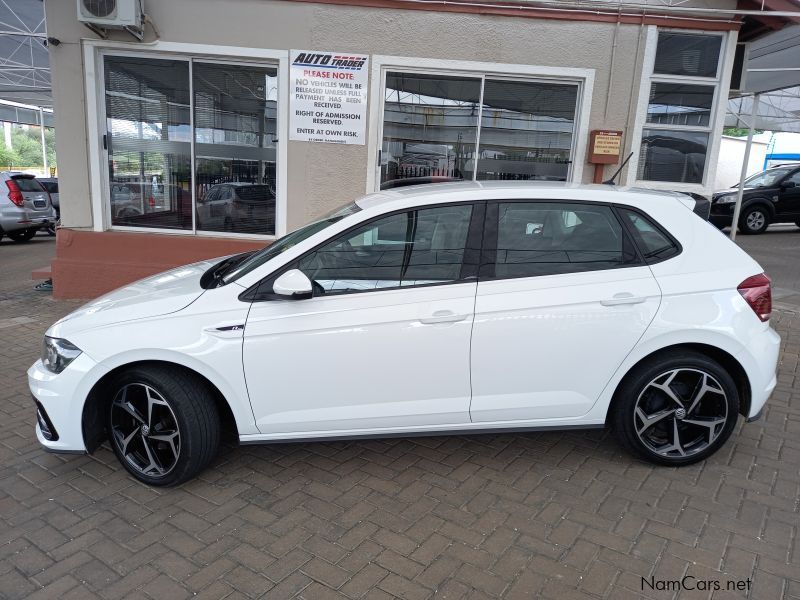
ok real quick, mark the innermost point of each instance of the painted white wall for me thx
(731, 155)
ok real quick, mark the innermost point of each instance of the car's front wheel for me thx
(163, 424)
(675, 410)
(754, 219)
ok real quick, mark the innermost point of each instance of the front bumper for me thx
(61, 398)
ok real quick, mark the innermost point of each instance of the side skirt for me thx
(325, 436)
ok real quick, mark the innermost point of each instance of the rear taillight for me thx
(757, 291)
(14, 193)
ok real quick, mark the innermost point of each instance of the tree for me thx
(8, 158)
(739, 131)
(27, 147)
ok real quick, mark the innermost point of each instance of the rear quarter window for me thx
(654, 243)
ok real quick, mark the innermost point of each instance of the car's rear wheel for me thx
(22, 235)
(675, 410)
(163, 424)
(754, 219)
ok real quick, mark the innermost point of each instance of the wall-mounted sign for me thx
(328, 97)
(604, 147)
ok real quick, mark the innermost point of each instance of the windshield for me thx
(283, 244)
(766, 178)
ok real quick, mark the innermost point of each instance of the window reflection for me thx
(430, 126)
(678, 104)
(235, 147)
(147, 119)
(526, 130)
(672, 156)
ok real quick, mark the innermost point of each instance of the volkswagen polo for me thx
(447, 308)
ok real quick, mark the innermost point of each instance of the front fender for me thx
(239, 403)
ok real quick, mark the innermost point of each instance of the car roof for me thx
(494, 190)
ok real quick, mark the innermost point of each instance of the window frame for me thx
(488, 262)
(94, 53)
(721, 84)
(583, 78)
(469, 266)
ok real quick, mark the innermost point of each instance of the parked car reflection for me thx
(237, 207)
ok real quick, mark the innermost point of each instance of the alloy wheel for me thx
(755, 220)
(145, 430)
(680, 413)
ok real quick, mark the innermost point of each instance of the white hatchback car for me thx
(448, 308)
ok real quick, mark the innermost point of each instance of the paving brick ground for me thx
(548, 515)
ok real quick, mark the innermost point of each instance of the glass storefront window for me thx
(432, 124)
(235, 129)
(673, 155)
(526, 130)
(680, 112)
(687, 54)
(148, 139)
(149, 107)
(679, 104)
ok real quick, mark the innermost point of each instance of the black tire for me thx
(639, 390)
(21, 236)
(189, 402)
(754, 220)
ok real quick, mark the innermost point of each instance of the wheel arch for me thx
(95, 408)
(763, 201)
(724, 358)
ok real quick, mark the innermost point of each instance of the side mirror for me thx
(788, 184)
(294, 285)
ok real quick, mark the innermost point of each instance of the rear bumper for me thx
(760, 361)
(14, 219)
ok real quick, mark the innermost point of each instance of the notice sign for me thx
(328, 97)
(604, 146)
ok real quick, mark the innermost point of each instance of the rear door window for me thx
(551, 238)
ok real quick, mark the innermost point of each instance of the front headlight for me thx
(726, 199)
(58, 353)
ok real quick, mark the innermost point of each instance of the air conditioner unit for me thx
(100, 15)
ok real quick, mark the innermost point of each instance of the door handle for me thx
(442, 316)
(623, 298)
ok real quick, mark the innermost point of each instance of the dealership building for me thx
(231, 123)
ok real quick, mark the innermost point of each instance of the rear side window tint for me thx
(50, 186)
(551, 238)
(27, 184)
(652, 240)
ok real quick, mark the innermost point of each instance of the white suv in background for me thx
(447, 308)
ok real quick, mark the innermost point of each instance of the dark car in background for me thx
(771, 196)
(51, 185)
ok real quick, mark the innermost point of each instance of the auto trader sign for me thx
(329, 97)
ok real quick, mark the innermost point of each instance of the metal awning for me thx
(770, 95)
(24, 60)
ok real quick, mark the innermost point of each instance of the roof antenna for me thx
(610, 180)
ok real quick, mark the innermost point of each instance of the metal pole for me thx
(738, 208)
(44, 143)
